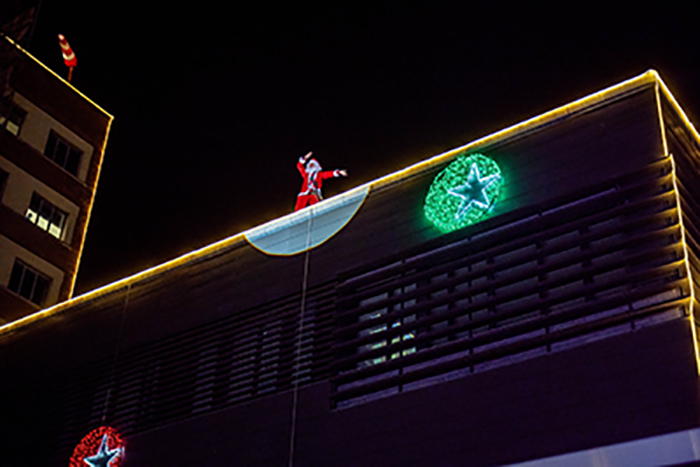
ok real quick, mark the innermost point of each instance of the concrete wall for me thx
(37, 126)
(20, 188)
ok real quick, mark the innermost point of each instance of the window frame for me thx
(11, 113)
(43, 213)
(31, 293)
(52, 152)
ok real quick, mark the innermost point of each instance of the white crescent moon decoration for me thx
(309, 227)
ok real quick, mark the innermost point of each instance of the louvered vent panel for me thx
(588, 268)
(245, 356)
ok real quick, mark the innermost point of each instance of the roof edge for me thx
(677, 107)
(527, 126)
(57, 76)
(532, 124)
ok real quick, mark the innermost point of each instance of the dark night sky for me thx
(212, 107)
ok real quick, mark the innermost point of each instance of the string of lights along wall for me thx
(463, 193)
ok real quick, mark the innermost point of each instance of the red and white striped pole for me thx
(68, 55)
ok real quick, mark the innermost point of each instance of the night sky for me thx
(213, 106)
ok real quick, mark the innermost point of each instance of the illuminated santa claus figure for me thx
(313, 176)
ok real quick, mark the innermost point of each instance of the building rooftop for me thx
(561, 319)
(286, 235)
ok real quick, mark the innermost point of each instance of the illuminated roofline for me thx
(223, 244)
(71, 289)
(529, 125)
(678, 109)
(686, 259)
(57, 76)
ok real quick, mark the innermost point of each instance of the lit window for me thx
(11, 116)
(62, 153)
(46, 216)
(379, 329)
(28, 283)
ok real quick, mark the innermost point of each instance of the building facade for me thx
(51, 147)
(528, 297)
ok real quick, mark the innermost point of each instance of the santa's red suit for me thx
(313, 180)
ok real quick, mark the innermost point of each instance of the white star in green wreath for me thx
(473, 191)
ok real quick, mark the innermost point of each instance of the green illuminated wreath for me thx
(463, 192)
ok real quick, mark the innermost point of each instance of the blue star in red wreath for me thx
(104, 455)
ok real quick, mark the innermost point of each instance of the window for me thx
(11, 116)
(378, 316)
(28, 283)
(46, 216)
(63, 153)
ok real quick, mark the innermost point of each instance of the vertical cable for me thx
(300, 331)
(116, 354)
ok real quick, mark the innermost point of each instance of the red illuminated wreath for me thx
(102, 447)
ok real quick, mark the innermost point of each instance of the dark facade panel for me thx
(598, 262)
(684, 149)
(537, 167)
(31, 161)
(598, 394)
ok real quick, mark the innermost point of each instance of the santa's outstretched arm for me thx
(332, 174)
(301, 162)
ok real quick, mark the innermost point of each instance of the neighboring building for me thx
(52, 142)
(532, 301)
